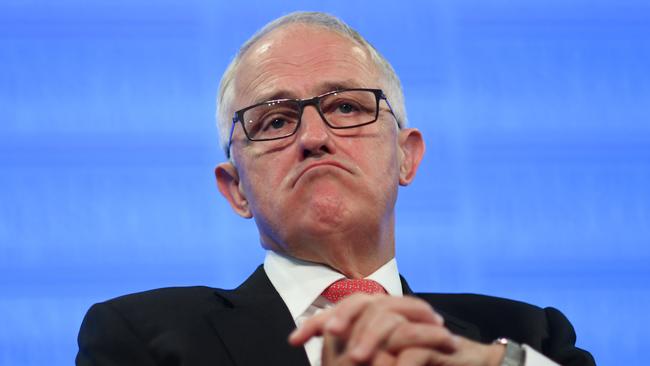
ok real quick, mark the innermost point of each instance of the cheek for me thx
(380, 174)
(262, 188)
(388, 171)
(383, 161)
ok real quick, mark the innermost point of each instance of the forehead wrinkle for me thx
(265, 67)
(263, 84)
(250, 95)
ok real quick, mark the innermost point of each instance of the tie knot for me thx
(346, 287)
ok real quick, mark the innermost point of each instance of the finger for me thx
(380, 318)
(383, 358)
(411, 308)
(332, 349)
(370, 332)
(418, 310)
(335, 320)
(309, 328)
(347, 311)
(420, 357)
(338, 319)
(376, 320)
(332, 353)
(409, 335)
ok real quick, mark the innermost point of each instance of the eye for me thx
(346, 108)
(277, 123)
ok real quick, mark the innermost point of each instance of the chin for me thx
(327, 212)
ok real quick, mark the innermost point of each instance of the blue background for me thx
(535, 186)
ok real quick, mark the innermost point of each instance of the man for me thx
(317, 149)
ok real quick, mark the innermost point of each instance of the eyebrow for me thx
(321, 89)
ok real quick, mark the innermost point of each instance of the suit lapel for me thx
(255, 323)
(454, 324)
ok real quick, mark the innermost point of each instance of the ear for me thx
(228, 183)
(411, 145)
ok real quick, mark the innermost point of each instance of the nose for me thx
(314, 137)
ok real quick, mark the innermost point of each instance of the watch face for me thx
(514, 354)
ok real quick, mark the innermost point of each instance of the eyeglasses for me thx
(278, 119)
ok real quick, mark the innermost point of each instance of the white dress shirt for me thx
(300, 285)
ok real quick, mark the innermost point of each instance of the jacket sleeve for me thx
(560, 344)
(106, 339)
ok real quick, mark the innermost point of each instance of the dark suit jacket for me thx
(250, 326)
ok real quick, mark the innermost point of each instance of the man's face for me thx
(307, 190)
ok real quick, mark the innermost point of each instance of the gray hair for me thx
(225, 97)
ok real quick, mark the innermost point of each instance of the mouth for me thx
(309, 167)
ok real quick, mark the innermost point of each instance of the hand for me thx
(333, 355)
(384, 330)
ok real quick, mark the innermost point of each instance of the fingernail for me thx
(294, 333)
(440, 319)
(358, 353)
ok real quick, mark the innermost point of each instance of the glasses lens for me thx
(349, 108)
(271, 120)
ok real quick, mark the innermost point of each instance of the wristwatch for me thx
(515, 354)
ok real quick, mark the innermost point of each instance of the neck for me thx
(356, 252)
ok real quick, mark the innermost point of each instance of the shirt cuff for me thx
(534, 358)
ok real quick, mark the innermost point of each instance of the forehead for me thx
(300, 61)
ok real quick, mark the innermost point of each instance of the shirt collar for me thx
(300, 283)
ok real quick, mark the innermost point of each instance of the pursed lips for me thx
(317, 164)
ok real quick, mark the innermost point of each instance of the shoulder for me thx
(146, 327)
(156, 309)
(163, 297)
(164, 300)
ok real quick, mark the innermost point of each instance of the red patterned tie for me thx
(346, 287)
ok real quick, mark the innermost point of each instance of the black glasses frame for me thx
(302, 103)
